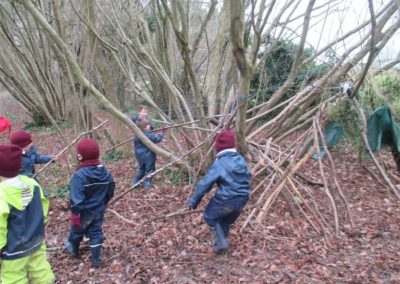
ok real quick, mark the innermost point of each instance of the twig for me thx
(177, 213)
(321, 169)
(69, 145)
(122, 217)
(308, 180)
(334, 175)
(374, 176)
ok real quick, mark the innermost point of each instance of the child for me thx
(23, 213)
(145, 157)
(232, 176)
(30, 157)
(92, 187)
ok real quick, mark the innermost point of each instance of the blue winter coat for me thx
(29, 159)
(231, 174)
(91, 189)
(143, 153)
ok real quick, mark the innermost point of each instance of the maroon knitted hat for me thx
(21, 138)
(10, 160)
(226, 139)
(88, 149)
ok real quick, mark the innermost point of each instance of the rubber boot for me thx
(96, 256)
(73, 247)
(221, 243)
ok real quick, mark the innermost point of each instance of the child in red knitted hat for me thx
(23, 213)
(30, 156)
(92, 187)
(232, 176)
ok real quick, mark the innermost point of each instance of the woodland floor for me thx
(178, 250)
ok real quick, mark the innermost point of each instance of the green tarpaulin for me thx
(382, 131)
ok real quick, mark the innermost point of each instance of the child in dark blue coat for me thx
(92, 187)
(30, 157)
(146, 158)
(232, 176)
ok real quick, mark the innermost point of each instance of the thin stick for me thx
(158, 129)
(177, 213)
(115, 199)
(69, 145)
(324, 180)
(334, 175)
(122, 217)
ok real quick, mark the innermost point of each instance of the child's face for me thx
(147, 127)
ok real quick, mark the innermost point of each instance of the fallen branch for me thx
(122, 217)
(308, 180)
(69, 145)
(374, 176)
(177, 213)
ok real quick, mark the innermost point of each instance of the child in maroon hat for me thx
(30, 157)
(23, 213)
(232, 176)
(92, 187)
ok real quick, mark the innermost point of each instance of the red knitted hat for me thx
(10, 160)
(88, 149)
(226, 139)
(4, 124)
(21, 138)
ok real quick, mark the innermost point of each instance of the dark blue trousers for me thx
(92, 228)
(145, 167)
(224, 212)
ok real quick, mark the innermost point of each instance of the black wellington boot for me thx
(73, 247)
(96, 256)
(221, 243)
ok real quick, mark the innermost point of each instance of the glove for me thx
(75, 220)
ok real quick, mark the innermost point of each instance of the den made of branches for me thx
(258, 67)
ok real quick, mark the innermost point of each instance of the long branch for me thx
(69, 145)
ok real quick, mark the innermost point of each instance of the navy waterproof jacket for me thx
(91, 189)
(141, 151)
(29, 159)
(231, 174)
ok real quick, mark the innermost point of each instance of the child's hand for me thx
(75, 220)
(191, 206)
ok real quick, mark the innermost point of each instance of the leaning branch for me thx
(69, 145)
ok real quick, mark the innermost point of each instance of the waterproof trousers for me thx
(33, 269)
(224, 212)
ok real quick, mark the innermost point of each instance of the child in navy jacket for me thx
(146, 158)
(232, 176)
(30, 157)
(92, 187)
